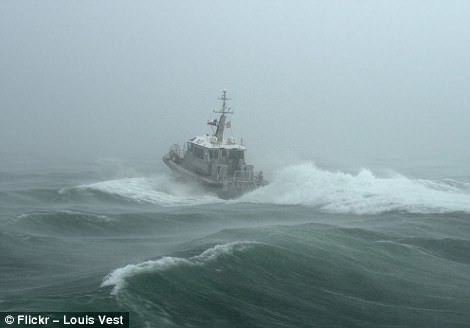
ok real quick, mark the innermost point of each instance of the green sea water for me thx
(316, 247)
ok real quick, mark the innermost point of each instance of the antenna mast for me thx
(219, 133)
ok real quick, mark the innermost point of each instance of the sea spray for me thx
(361, 193)
(160, 190)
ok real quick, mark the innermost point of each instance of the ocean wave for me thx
(118, 277)
(363, 193)
(161, 190)
(66, 222)
(58, 215)
(317, 269)
(457, 250)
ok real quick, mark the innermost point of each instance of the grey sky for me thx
(312, 79)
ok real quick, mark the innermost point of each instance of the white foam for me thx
(96, 217)
(160, 190)
(363, 193)
(118, 277)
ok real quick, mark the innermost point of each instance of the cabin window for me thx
(198, 152)
(224, 152)
(214, 153)
(236, 154)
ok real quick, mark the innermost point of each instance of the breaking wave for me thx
(308, 185)
(363, 193)
(332, 276)
(161, 190)
(117, 278)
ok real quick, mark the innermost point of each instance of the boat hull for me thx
(226, 189)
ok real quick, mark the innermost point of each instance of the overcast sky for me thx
(310, 79)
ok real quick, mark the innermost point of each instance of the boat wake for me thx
(363, 193)
(306, 184)
(161, 190)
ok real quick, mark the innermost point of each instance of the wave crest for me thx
(118, 277)
(161, 190)
(364, 193)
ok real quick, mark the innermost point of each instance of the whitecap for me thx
(161, 190)
(362, 193)
(118, 277)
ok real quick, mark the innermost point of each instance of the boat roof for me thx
(211, 142)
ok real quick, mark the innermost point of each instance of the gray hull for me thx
(226, 188)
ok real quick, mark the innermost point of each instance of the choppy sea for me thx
(317, 247)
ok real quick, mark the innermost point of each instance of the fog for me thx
(343, 81)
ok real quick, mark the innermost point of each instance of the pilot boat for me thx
(216, 162)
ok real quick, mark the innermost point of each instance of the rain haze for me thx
(350, 207)
(349, 82)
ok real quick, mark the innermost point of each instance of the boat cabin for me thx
(207, 156)
(216, 161)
